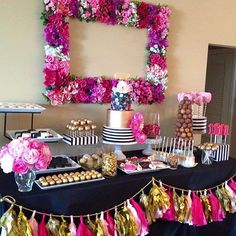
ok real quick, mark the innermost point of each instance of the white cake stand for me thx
(148, 151)
(120, 156)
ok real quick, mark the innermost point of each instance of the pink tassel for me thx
(134, 213)
(72, 227)
(83, 230)
(33, 225)
(232, 185)
(217, 210)
(198, 216)
(42, 230)
(104, 225)
(231, 194)
(142, 217)
(111, 224)
(170, 213)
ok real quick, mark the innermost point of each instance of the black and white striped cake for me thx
(117, 135)
(199, 124)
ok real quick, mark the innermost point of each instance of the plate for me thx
(56, 137)
(73, 166)
(190, 166)
(67, 184)
(20, 107)
(143, 171)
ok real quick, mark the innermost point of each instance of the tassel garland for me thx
(130, 218)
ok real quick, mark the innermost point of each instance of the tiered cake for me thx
(117, 128)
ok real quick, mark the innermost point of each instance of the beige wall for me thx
(194, 24)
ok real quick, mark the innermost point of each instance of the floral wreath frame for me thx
(62, 87)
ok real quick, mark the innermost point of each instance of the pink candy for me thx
(218, 129)
(199, 98)
(151, 130)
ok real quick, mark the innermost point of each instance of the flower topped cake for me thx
(120, 98)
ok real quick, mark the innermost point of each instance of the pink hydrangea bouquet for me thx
(23, 154)
(137, 124)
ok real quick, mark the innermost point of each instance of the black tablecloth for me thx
(99, 196)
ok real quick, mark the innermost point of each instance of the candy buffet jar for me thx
(151, 125)
(109, 164)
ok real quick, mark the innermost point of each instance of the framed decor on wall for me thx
(63, 87)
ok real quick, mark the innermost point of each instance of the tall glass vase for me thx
(25, 181)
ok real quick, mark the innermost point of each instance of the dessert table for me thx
(98, 196)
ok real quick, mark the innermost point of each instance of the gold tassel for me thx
(53, 226)
(182, 208)
(99, 229)
(23, 225)
(63, 230)
(131, 228)
(207, 207)
(176, 198)
(120, 223)
(91, 225)
(158, 201)
(221, 193)
(143, 199)
(8, 223)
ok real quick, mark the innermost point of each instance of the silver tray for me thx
(67, 184)
(144, 170)
(73, 166)
(56, 137)
(20, 107)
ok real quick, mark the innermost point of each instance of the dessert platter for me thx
(45, 135)
(60, 163)
(68, 179)
(16, 107)
(135, 165)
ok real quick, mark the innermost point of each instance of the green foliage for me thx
(44, 16)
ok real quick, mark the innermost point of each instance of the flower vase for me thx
(25, 181)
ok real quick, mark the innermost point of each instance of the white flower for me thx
(122, 87)
(7, 163)
(56, 52)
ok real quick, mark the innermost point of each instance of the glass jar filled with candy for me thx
(152, 125)
(109, 164)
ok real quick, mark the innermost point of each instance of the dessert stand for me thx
(16, 107)
(117, 149)
(149, 142)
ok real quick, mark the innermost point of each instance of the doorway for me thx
(220, 81)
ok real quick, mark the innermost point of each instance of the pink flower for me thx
(23, 154)
(19, 166)
(141, 137)
(30, 156)
(41, 164)
(49, 59)
(56, 97)
(16, 147)
(46, 153)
